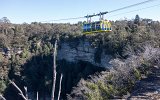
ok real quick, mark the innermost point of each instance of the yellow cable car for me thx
(98, 26)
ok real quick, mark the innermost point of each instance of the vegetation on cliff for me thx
(26, 56)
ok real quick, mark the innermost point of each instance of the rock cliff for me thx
(83, 51)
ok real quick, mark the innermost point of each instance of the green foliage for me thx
(46, 49)
(137, 74)
(92, 86)
(145, 68)
(107, 90)
(114, 43)
(109, 77)
(100, 91)
(1, 57)
(95, 93)
(2, 86)
(25, 53)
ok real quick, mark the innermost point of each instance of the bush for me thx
(100, 91)
(95, 93)
(2, 86)
(137, 74)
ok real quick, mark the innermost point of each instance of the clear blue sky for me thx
(19, 11)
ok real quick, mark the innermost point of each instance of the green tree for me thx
(137, 20)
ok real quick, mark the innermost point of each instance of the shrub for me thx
(100, 91)
(2, 86)
(137, 74)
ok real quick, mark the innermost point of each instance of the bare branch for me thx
(2, 97)
(26, 94)
(59, 93)
(21, 93)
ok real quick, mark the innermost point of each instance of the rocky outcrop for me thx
(83, 51)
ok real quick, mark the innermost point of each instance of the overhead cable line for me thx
(133, 5)
(136, 10)
(64, 19)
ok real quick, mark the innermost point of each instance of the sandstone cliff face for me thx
(83, 51)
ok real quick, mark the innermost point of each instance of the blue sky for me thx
(19, 11)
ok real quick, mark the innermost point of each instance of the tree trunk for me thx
(59, 93)
(54, 70)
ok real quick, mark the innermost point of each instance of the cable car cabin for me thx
(98, 26)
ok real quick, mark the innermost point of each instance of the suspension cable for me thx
(136, 10)
(133, 5)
